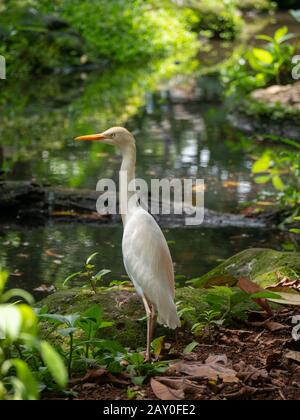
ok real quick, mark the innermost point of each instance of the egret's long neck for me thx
(127, 180)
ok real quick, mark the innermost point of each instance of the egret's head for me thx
(116, 136)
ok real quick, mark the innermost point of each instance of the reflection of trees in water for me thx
(52, 110)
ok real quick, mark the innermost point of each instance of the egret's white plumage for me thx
(146, 255)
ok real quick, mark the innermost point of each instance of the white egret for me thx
(146, 254)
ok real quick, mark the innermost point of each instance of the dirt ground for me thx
(261, 361)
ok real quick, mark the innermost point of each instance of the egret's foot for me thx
(148, 358)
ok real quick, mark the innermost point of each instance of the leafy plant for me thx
(273, 60)
(88, 273)
(139, 370)
(23, 356)
(208, 319)
(82, 331)
(282, 169)
(259, 66)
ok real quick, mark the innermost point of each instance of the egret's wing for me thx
(149, 264)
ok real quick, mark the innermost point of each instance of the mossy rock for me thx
(123, 307)
(265, 267)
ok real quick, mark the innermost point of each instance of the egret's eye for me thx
(113, 135)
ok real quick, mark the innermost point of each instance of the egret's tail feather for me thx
(167, 315)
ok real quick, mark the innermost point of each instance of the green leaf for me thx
(280, 33)
(91, 257)
(265, 295)
(262, 164)
(138, 380)
(54, 318)
(264, 179)
(278, 183)
(262, 55)
(136, 359)
(297, 218)
(264, 38)
(72, 276)
(157, 345)
(295, 231)
(101, 273)
(54, 363)
(17, 293)
(10, 322)
(295, 14)
(190, 347)
(3, 280)
(105, 324)
(30, 387)
(67, 331)
(29, 319)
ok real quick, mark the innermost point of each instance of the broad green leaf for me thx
(3, 280)
(93, 313)
(265, 38)
(262, 55)
(136, 358)
(296, 14)
(281, 32)
(264, 179)
(29, 319)
(66, 331)
(262, 164)
(10, 322)
(265, 295)
(297, 218)
(138, 380)
(295, 231)
(278, 183)
(54, 318)
(190, 347)
(105, 324)
(54, 363)
(157, 345)
(25, 376)
(17, 293)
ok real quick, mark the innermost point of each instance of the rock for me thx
(265, 267)
(123, 307)
(286, 95)
(272, 111)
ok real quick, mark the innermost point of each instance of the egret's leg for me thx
(153, 321)
(148, 313)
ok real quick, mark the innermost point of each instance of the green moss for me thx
(262, 266)
(274, 111)
(122, 307)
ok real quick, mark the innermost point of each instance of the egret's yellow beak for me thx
(91, 137)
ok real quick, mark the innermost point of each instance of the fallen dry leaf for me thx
(293, 355)
(164, 392)
(45, 288)
(51, 253)
(248, 286)
(100, 375)
(214, 368)
(275, 326)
